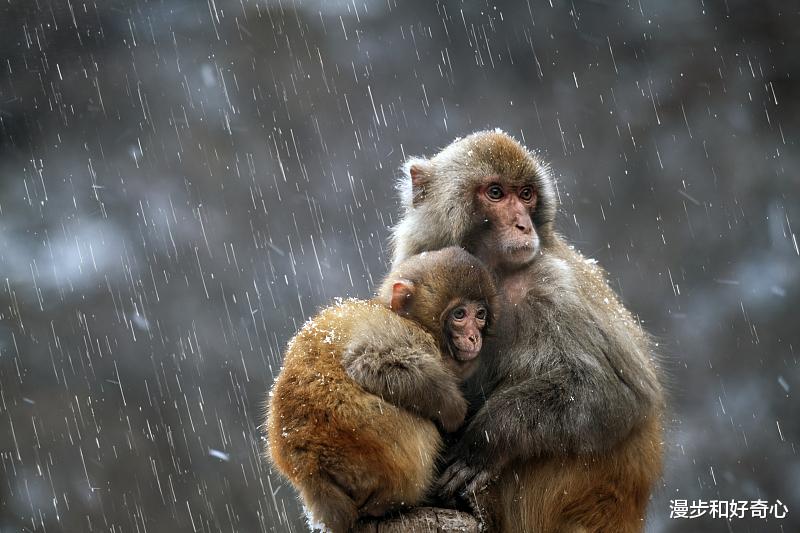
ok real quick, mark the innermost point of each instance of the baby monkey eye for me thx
(481, 314)
(494, 192)
(526, 194)
(459, 313)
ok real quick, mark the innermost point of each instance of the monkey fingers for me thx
(461, 479)
(452, 480)
(478, 484)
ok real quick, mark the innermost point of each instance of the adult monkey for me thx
(565, 433)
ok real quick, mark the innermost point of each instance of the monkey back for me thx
(330, 437)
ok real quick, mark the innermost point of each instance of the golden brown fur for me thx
(350, 453)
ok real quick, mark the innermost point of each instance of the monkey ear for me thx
(402, 290)
(420, 172)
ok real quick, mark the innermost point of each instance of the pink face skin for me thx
(466, 322)
(512, 241)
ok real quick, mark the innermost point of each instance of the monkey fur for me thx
(565, 431)
(351, 419)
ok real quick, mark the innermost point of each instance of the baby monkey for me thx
(352, 417)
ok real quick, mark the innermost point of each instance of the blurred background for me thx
(183, 183)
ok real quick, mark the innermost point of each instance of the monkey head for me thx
(451, 295)
(485, 192)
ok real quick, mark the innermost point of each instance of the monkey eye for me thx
(494, 192)
(526, 194)
(459, 313)
(481, 314)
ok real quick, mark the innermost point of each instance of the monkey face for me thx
(505, 236)
(463, 326)
(485, 192)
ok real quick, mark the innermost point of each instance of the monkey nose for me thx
(523, 223)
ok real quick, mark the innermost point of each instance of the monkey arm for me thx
(576, 405)
(409, 377)
(575, 373)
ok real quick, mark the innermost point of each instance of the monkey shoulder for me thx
(625, 345)
(591, 279)
(312, 360)
(549, 279)
(334, 324)
(320, 352)
(582, 282)
(568, 302)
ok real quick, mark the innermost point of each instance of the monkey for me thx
(565, 425)
(352, 417)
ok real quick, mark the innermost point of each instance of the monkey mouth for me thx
(521, 251)
(463, 350)
(465, 355)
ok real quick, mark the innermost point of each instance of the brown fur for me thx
(348, 452)
(350, 417)
(603, 493)
(566, 402)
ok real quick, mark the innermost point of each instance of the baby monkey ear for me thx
(420, 172)
(402, 291)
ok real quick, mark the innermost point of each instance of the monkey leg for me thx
(330, 506)
(379, 503)
(395, 474)
(337, 498)
(561, 497)
(597, 494)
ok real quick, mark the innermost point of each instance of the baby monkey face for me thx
(464, 323)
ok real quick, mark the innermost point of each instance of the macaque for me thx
(352, 417)
(565, 431)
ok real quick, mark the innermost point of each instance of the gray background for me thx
(182, 183)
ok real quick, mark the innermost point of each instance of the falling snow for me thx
(183, 184)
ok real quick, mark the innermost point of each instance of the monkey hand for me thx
(461, 479)
(474, 461)
(452, 413)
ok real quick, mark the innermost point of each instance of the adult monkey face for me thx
(485, 192)
(511, 240)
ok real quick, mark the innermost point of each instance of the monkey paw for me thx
(462, 479)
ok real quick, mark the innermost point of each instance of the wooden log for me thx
(424, 519)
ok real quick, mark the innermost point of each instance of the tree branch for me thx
(422, 519)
